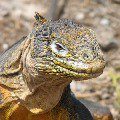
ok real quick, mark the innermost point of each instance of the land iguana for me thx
(35, 73)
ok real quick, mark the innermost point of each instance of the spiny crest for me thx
(39, 18)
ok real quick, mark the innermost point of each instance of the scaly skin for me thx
(35, 71)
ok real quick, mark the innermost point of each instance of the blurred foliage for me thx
(115, 77)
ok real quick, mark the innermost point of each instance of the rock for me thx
(110, 45)
(104, 21)
(80, 16)
(5, 46)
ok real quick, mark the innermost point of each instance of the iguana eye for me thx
(59, 49)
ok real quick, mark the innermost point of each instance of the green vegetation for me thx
(115, 76)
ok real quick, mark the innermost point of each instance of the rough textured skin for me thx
(35, 73)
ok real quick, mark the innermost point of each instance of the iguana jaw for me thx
(79, 70)
(72, 69)
(78, 76)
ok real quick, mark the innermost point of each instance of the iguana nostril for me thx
(86, 56)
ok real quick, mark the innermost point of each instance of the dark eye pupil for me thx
(59, 47)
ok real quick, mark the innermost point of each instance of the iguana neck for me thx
(42, 97)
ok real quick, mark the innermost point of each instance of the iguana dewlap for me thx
(35, 72)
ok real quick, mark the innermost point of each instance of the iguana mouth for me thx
(79, 75)
(86, 71)
(77, 71)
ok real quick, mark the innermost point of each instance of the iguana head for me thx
(66, 49)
